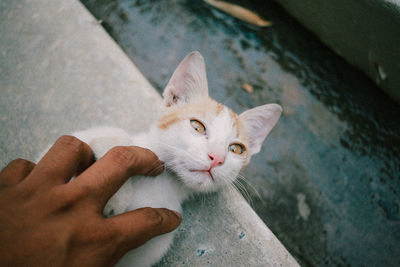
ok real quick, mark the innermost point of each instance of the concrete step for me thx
(61, 72)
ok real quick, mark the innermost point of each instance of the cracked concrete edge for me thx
(61, 72)
(365, 33)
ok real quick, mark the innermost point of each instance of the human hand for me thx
(47, 221)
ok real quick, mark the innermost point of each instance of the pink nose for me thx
(216, 160)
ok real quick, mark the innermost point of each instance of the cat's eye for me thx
(236, 148)
(198, 126)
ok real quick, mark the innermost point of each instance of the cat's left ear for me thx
(188, 81)
(258, 122)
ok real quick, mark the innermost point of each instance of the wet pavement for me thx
(328, 177)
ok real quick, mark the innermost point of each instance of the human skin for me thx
(48, 220)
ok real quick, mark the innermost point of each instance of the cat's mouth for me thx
(205, 172)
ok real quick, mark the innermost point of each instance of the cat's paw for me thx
(108, 211)
(114, 206)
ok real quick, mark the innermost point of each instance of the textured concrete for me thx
(60, 72)
(366, 33)
(328, 175)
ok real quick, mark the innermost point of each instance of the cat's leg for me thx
(121, 201)
(149, 253)
(102, 139)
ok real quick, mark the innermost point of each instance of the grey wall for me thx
(364, 32)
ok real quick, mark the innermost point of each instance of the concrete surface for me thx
(366, 33)
(60, 72)
(328, 176)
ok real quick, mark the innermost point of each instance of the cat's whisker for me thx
(156, 169)
(234, 182)
(246, 186)
(154, 166)
(249, 185)
(242, 189)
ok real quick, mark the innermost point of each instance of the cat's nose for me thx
(216, 160)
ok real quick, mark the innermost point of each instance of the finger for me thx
(15, 172)
(108, 174)
(65, 158)
(136, 227)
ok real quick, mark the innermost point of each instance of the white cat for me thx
(203, 143)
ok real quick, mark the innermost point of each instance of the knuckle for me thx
(20, 163)
(122, 156)
(71, 142)
(154, 217)
(15, 171)
(60, 199)
(69, 197)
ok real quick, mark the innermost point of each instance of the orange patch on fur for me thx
(235, 118)
(220, 108)
(202, 108)
(242, 131)
(205, 107)
(167, 120)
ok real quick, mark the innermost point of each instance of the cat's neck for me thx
(171, 185)
(153, 140)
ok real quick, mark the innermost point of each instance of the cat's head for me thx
(205, 142)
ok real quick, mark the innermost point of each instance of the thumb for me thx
(136, 227)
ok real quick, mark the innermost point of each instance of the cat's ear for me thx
(258, 122)
(188, 81)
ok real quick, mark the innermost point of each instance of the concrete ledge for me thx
(366, 33)
(61, 72)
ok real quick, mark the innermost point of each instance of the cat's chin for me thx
(198, 180)
(207, 173)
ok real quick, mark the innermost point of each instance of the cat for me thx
(204, 144)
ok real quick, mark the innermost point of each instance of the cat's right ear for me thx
(258, 122)
(188, 81)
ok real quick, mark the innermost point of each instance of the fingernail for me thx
(177, 214)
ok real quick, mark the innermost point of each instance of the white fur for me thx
(182, 149)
